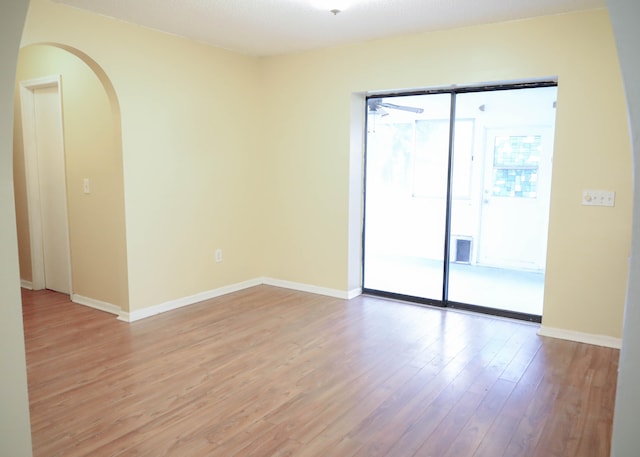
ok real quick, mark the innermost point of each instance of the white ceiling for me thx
(271, 27)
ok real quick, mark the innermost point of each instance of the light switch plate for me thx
(598, 197)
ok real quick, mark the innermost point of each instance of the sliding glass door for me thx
(406, 194)
(457, 197)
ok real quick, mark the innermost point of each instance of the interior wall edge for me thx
(15, 427)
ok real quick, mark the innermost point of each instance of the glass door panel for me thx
(498, 233)
(490, 218)
(406, 194)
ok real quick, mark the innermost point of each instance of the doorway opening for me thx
(41, 107)
(457, 190)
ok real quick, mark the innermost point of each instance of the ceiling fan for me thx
(377, 107)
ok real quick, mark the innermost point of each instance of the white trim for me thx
(202, 296)
(579, 337)
(357, 139)
(185, 301)
(41, 83)
(588, 338)
(353, 293)
(346, 295)
(26, 284)
(95, 304)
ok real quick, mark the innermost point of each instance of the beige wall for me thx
(308, 96)
(92, 150)
(252, 155)
(189, 135)
(15, 433)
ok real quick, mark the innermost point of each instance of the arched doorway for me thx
(93, 176)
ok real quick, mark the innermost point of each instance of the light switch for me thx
(86, 188)
(598, 197)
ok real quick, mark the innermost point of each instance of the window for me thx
(515, 166)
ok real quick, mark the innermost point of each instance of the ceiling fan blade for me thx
(411, 109)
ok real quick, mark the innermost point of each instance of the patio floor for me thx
(501, 288)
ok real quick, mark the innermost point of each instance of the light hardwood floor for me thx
(274, 372)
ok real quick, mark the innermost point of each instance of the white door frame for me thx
(27, 103)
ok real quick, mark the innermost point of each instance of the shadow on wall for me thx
(92, 138)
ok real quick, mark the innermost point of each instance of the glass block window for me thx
(515, 166)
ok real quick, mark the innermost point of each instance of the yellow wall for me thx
(252, 155)
(308, 96)
(92, 150)
(188, 137)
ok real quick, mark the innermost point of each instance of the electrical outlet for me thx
(598, 197)
(218, 255)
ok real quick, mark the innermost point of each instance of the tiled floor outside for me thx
(513, 290)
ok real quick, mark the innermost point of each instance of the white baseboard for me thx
(353, 293)
(346, 295)
(588, 338)
(96, 304)
(202, 296)
(185, 301)
(26, 284)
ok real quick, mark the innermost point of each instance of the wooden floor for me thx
(273, 372)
